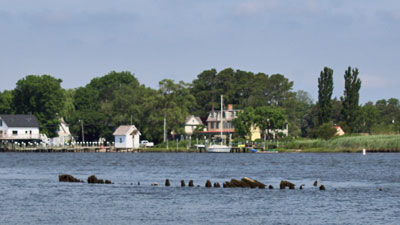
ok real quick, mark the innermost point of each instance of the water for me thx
(31, 194)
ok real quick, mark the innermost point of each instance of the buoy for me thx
(364, 152)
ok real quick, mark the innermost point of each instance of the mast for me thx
(222, 115)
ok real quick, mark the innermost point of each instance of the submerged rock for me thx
(67, 178)
(285, 184)
(301, 186)
(253, 183)
(270, 187)
(93, 180)
(322, 188)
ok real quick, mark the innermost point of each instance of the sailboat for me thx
(220, 148)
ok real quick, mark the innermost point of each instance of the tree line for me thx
(118, 98)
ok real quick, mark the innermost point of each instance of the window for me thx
(15, 132)
(217, 125)
(26, 132)
(1, 123)
(30, 132)
(120, 140)
(212, 125)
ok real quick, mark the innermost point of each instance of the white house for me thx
(64, 135)
(192, 122)
(19, 128)
(127, 137)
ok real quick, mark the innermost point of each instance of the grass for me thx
(345, 143)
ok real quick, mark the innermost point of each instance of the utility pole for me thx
(165, 128)
(83, 132)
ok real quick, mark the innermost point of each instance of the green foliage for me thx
(240, 88)
(244, 121)
(42, 96)
(326, 131)
(325, 89)
(270, 118)
(350, 111)
(6, 99)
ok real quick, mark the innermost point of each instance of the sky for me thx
(77, 40)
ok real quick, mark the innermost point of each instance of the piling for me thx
(208, 184)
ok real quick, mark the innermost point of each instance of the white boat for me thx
(220, 148)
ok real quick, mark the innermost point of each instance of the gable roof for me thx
(126, 130)
(20, 120)
(189, 118)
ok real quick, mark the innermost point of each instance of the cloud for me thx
(256, 7)
(374, 81)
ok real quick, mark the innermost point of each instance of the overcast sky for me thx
(77, 40)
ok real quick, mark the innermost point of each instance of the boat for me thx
(220, 148)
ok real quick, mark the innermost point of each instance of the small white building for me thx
(127, 137)
(64, 135)
(19, 128)
(192, 122)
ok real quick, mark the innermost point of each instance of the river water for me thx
(359, 189)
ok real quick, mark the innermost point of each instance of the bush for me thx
(326, 131)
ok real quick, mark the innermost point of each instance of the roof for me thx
(20, 120)
(198, 119)
(126, 130)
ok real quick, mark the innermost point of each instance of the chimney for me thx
(230, 107)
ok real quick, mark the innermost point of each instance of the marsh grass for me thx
(346, 143)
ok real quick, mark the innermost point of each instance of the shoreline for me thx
(163, 150)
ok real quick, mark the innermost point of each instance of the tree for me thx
(244, 121)
(270, 118)
(88, 112)
(368, 117)
(325, 89)
(96, 105)
(176, 103)
(42, 96)
(6, 99)
(351, 97)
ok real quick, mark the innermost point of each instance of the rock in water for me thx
(208, 184)
(183, 183)
(270, 187)
(216, 185)
(67, 178)
(322, 188)
(167, 183)
(191, 183)
(93, 180)
(315, 183)
(285, 184)
(301, 186)
(238, 183)
(253, 183)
